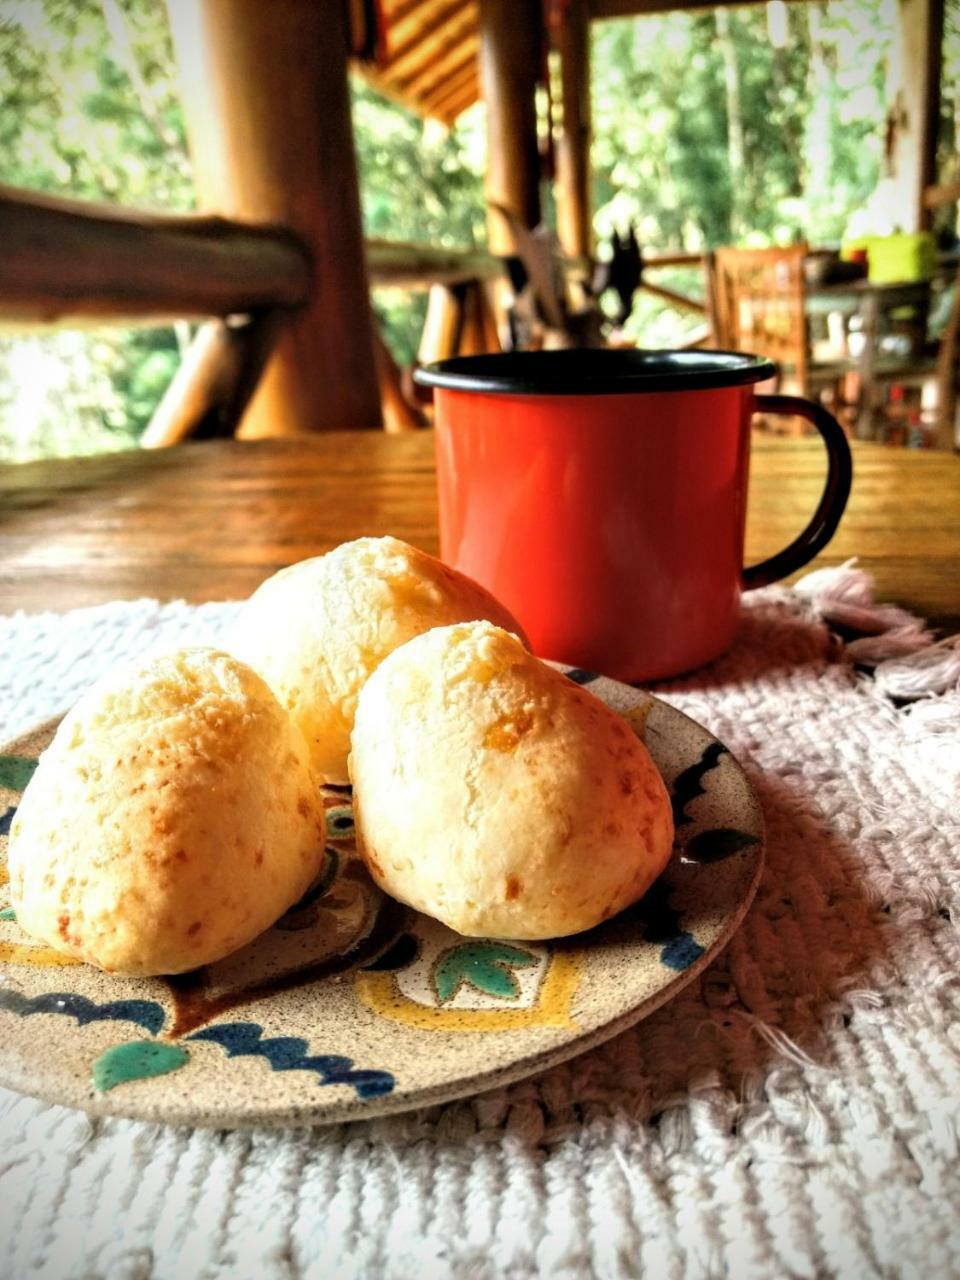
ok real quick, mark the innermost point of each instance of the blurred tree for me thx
(88, 108)
(418, 182)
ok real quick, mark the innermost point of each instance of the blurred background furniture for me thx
(756, 299)
(757, 302)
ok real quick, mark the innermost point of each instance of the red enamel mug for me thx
(601, 495)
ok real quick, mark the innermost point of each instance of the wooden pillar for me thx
(913, 87)
(510, 59)
(574, 222)
(264, 88)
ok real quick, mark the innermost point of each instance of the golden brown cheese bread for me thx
(318, 630)
(172, 819)
(497, 796)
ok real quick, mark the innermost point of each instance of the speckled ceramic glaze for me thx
(351, 1005)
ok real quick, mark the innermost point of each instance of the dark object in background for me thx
(830, 268)
(622, 273)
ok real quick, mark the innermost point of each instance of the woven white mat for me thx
(792, 1114)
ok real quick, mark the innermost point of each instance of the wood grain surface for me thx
(209, 521)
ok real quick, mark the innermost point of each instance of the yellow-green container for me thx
(904, 256)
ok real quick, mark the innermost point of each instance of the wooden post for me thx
(914, 109)
(264, 88)
(510, 56)
(573, 153)
(215, 381)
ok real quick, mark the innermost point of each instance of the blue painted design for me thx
(8, 913)
(145, 1013)
(579, 676)
(681, 952)
(657, 919)
(290, 1053)
(398, 955)
(686, 786)
(660, 923)
(5, 820)
(718, 843)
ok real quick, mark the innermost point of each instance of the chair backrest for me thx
(756, 304)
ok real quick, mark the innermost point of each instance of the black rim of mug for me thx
(593, 372)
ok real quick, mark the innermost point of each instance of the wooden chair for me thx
(756, 302)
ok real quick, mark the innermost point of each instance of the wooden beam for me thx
(442, 326)
(399, 415)
(574, 222)
(461, 60)
(265, 96)
(393, 263)
(934, 197)
(453, 90)
(913, 117)
(454, 105)
(64, 260)
(510, 58)
(426, 49)
(217, 376)
(637, 8)
(657, 258)
(679, 300)
(439, 19)
(404, 14)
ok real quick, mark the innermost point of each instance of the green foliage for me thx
(418, 182)
(88, 110)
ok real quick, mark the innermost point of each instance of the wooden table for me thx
(210, 521)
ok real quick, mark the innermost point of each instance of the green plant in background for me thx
(88, 108)
(418, 182)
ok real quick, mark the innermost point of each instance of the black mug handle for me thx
(832, 502)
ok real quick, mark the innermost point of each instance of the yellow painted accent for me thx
(3, 873)
(380, 993)
(42, 957)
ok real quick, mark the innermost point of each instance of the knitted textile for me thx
(793, 1113)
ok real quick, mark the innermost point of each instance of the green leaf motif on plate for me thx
(136, 1060)
(16, 771)
(8, 913)
(717, 844)
(487, 966)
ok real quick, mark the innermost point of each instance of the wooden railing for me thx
(71, 262)
(65, 261)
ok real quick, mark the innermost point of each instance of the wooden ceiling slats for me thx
(460, 59)
(442, 55)
(440, 97)
(430, 44)
(442, 19)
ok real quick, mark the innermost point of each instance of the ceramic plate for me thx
(352, 1006)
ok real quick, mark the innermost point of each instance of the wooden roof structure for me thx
(429, 58)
